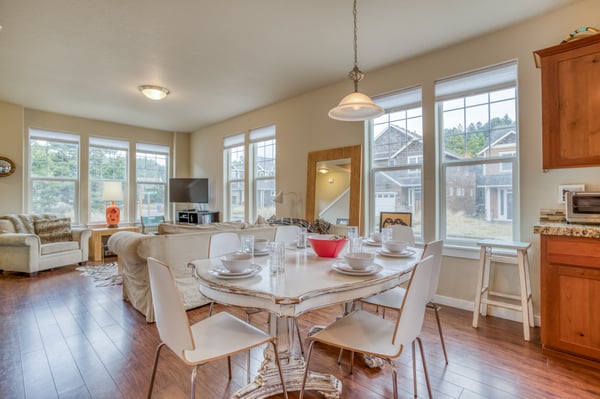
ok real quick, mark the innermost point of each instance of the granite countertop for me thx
(568, 229)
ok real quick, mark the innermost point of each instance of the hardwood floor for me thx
(62, 337)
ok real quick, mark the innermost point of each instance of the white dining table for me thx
(308, 282)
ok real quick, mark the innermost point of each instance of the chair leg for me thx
(193, 389)
(285, 395)
(211, 308)
(156, 355)
(248, 355)
(418, 339)
(436, 308)
(394, 377)
(229, 365)
(414, 362)
(310, 349)
(340, 356)
(351, 362)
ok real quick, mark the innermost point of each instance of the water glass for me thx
(277, 257)
(301, 237)
(247, 244)
(352, 231)
(386, 234)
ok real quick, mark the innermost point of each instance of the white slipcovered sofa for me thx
(31, 243)
(176, 249)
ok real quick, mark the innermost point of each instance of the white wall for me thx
(303, 126)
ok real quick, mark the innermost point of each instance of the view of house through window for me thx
(234, 177)
(478, 136)
(54, 173)
(108, 161)
(262, 141)
(152, 172)
(397, 157)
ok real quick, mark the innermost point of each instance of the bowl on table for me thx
(359, 260)
(236, 262)
(260, 244)
(327, 245)
(395, 245)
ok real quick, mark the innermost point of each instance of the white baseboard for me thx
(502, 313)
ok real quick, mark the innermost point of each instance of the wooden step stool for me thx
(501, 251)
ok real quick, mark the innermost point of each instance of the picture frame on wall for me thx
(388, 219)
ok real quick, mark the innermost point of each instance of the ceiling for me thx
(219, 58)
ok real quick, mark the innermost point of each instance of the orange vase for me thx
(113, 215)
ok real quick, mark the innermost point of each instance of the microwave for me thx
(582, 207)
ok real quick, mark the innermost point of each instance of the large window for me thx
(396, 154)
(152, 172)
(54, 173)
(477, 131)
(234, 177)
(262, 142)
(108, 161)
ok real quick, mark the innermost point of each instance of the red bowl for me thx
(326, 246)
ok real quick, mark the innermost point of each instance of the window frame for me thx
(256, 138)
(156, 150)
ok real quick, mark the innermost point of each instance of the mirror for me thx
(333, 186)
(7, 167)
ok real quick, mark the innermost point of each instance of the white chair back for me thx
(286, 234)
(434, 248)
(403, 233)
(171, 320)
(223, 243)
(412, 311)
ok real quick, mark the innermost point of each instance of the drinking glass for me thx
(355, 244)
(277, 257)
(247, 244)
(386, 234)
(352, 231)
(301, 237)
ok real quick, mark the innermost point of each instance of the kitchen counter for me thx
(568, 230)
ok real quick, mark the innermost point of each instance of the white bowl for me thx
(236, 262)
(359, 260)
(395, 245)
(260, 244)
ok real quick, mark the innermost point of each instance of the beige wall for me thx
(303, 126)
(16, 120)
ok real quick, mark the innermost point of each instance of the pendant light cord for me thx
(355, 74)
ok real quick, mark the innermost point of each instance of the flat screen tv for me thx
(194, 190)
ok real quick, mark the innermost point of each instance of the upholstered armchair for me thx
(31, 243)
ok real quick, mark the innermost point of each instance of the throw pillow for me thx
(53, 230)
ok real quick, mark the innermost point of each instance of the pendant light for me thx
(356, 106)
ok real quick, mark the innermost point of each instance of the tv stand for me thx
(194, 216)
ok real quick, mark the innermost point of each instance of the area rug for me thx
(103, 275)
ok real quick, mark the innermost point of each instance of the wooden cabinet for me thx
(570, 297)
(571, 103)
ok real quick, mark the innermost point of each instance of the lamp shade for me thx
(356, 107)
(112, 191)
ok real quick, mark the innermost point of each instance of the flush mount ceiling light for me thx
(356, 106)
(323, 170)
(154, 92)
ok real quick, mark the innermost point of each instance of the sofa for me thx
(30, 243)
(182, 244)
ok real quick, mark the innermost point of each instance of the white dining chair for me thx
(403, 233)
(389, 299)
(213, 338)
(364, 332)
(286, 234)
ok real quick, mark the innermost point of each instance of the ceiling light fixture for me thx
(356, 106)
(154, 92)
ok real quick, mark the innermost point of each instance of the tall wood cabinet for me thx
(570, 297)
(571, 103)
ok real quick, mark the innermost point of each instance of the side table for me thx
(100, 236)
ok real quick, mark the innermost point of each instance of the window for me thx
(396, 154)
(262, 143)
(477, 131)
(108, 161)
(152, 171)
(234, 177)
(54, 173)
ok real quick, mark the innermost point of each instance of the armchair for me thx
(32, 243)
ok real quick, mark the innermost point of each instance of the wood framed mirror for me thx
(333, 192)
(7, 167)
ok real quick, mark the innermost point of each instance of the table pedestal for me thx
(267, 382)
